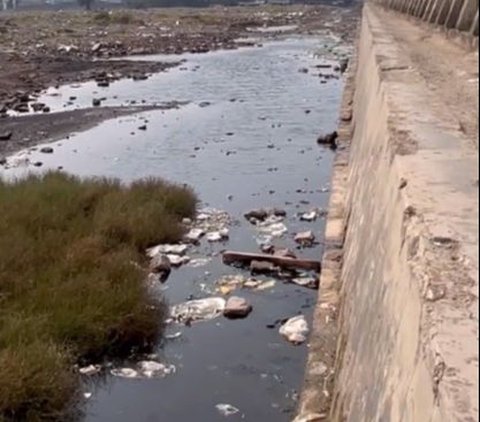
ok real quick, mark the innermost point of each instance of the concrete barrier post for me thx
(467, 15)
(435, 12)
(443, 13)
(474, 28)
(454, 13)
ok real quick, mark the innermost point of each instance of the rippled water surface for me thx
(245, 139)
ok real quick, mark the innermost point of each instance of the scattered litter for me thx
(272, 227)
(167, 249)
(264, 285)
(211, 220)
(90, 370)
(198, 262)
(310, 282)
(200, 309)
(217, 236)
(226, 409)
(228, 283)
(309, 216)
(194, 235)
(87, 395)
(173, 336)
(260, 215)
(151, 369)
(295, 329)
(124, 373)
(177, 260)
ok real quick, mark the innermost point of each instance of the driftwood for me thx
(245, 258)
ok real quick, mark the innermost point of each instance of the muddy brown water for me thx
(252, 146)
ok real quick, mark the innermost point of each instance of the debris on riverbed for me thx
(229, 283)
(198, 310)
(198, 262)
(217, 236)
(145, 369)
(329, 139)
(259, 215)
(179, 249)
(305, 239)
(90, 370)
(212, 220)
(309, 282)
(295, 329)
(245, 258)
(153, 369)
(226, 409)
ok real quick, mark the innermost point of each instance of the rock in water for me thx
(237, 307)
(305, 238)
(161, 264)
(328, 139)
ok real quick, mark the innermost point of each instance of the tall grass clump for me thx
(72, 281)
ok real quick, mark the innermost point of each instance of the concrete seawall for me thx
(395, 335)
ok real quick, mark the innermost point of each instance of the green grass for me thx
(71, 287)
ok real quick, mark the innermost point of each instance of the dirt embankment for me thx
(41, 49)
(50, 48)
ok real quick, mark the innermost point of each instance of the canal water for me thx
(244, 136)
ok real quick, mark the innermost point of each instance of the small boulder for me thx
(46, 150)
(161, 264)
(329, 139)
(5, 136)
(236, 307)
(305, 238)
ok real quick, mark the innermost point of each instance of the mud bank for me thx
(399, 287)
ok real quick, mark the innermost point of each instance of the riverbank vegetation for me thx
(72, 281)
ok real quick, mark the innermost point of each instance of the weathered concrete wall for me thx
(399, 283)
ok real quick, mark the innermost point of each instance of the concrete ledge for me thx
(315, 400)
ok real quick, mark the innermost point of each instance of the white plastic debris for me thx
(90, 370)
(124, 373)
(167, 249)
(226, 409)
(194, 234)
(173, 336)
(199, 309)
(273, 229)
(309, 216)
(217, 236)
(178, 260)
(87, 395)
(310, 282)
(198, 262)
(295, 330)
(151, 369)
